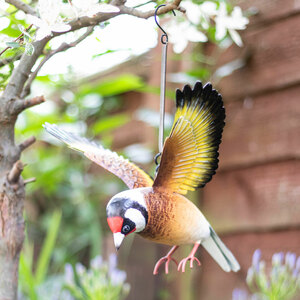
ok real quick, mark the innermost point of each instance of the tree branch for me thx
(6, 61)
(124, 10)
(61, 48)
(27, 143)
(14, 174)
(19, 105)
(21, 73)
(29, 180)
(145, 15)
(22, 6)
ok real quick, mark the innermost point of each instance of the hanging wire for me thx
(164, 40)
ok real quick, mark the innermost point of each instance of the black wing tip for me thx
(205, 96)
(179, 98)
(209, 177)
(206, 92)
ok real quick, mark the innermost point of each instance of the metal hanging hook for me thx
(164, 38)
(164, 41)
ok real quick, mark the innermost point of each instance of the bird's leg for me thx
(167, 260)
(191, 257)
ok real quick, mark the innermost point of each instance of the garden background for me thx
(253, 200)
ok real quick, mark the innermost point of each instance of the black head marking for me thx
(118, 207)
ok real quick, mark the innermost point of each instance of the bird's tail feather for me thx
(220, 253)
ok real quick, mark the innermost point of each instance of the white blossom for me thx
(183, 32)
(90, 8)
(200, 14)
(49, 20)
(193, 12)
(208, 9)
(230, 23)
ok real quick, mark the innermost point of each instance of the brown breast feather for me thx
(172, 219)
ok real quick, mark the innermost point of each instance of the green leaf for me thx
(170, 94)
(13, 44)
(29, 49)
(202, 73)
(110, 123)
(114, 86)
(103, 53)
(10, 31)
(47, 249)
(27, 280)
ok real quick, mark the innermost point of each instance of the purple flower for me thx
(97, 262)
(239, 294)
(80, 269)
(255, 259)
(112, 261)
(281, 282)
(69, 275)
(298, 264)
(295, 273)
(290, 260)
(277, 258)
(250, 276)
(117, 277)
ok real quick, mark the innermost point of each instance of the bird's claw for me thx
(183, 262)
(166, 259)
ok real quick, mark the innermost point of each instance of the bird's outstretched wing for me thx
(133, 176)
(190, 154)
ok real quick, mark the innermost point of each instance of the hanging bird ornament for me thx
(158, 210)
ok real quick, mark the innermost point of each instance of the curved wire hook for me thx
(164, 38)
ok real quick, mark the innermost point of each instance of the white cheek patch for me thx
(136, 216)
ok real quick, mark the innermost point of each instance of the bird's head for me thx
(126, 213)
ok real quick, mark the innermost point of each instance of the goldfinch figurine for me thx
(158, 210)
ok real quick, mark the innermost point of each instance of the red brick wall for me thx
(254, 199)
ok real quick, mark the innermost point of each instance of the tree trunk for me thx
(12, 195)
(12, 190)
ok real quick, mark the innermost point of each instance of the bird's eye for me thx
(126, 228)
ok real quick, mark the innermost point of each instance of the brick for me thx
(257, 198)
(261, 129)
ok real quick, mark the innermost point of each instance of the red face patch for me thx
(115, 224)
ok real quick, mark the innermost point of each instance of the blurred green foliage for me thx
(65, 208)
(65, 179)
(29, 279)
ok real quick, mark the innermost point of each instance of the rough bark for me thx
(12, 196)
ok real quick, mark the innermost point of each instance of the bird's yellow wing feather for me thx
(132, 175)
(190, 154)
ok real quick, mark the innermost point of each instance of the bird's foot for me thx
(190, 258)
(165, 259)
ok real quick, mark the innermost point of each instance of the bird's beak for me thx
(118, 239)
